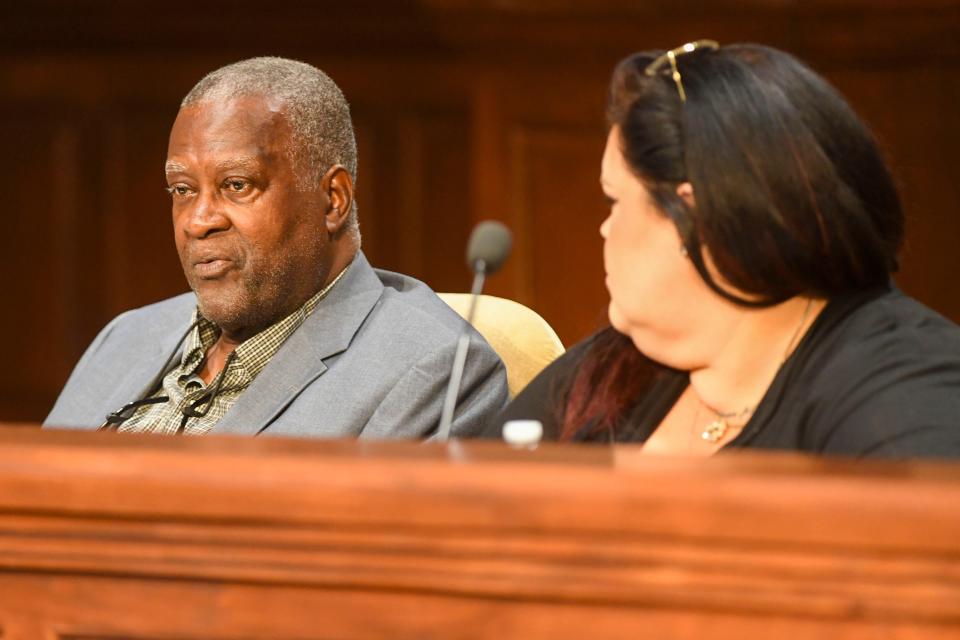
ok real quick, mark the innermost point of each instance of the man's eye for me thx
(237, 186)
(178, 190)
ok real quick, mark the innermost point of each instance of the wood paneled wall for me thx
(464, 110)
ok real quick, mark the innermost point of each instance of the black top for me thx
(877, 374)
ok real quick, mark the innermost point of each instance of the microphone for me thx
(488, 247)
(487, 250)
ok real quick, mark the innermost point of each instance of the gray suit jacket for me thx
(372, 361)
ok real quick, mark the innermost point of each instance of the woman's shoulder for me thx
(881, 375)
(543, 396)
(884, 329)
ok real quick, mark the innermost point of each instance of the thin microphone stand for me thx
(460, 359)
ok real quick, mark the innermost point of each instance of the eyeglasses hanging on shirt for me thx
(196, 409)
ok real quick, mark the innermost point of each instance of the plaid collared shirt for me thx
(183, 385)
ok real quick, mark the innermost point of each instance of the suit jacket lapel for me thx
(299, 361)
(144, 375)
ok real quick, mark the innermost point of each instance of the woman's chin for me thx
(648, 342)
(620, 324)
(617, 319)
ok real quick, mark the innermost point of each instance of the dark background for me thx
(464, 111)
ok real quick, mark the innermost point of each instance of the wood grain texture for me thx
(100, 534)
(465, 110)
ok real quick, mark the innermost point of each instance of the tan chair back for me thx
(522, 339)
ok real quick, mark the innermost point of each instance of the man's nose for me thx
(207, 216)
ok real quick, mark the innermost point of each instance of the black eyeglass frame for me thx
(115, 419)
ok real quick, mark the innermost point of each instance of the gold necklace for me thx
(715, 431)
(718, 427)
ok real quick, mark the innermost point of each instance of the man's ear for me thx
(338, 186)
(685, 191)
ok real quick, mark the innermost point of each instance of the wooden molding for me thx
(822, 542)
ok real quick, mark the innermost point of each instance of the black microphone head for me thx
(490, 243)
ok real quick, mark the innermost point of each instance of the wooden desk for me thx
(122, 536)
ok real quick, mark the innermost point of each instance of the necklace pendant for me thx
(714, 431)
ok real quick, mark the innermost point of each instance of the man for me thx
(288, 331)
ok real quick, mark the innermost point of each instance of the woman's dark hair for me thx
(792, 196)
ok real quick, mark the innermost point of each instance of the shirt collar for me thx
(255, 352)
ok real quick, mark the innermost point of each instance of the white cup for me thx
(525, 434)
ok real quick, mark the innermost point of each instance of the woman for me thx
(753, 228)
